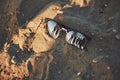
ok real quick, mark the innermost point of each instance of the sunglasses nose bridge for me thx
(64, 30)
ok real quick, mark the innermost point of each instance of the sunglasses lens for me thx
(69, 37)
(76, 39)
(81, 36)
(52, 29)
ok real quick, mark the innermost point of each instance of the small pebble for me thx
(94, 61)
(97, 59)
(59, 72)
(106, 5)
(100, 50)
(78, 74)
(12, 60)
(117, 36)
(108, 67)
(17, 50)
(114, 30)
(101, 38)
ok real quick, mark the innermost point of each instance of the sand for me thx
(28, 52)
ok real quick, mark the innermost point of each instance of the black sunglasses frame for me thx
(67, 29)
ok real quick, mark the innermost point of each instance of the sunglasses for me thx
(72, 37)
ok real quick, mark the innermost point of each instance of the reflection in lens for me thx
(69, 37)
(52, 28)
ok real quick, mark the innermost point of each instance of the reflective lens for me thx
(76, 39)
(81, 36)
(69, 37)
(53, 30)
